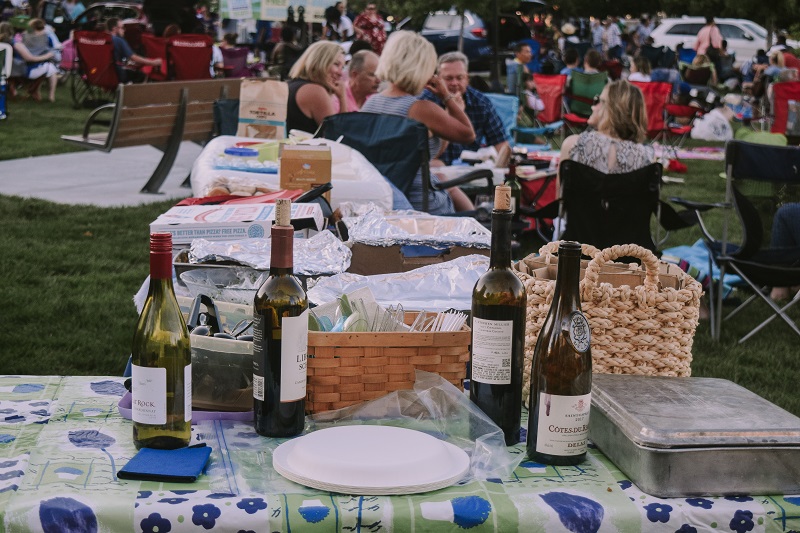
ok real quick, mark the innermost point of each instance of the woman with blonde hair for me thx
(315, 76)
(408, 64)
(614, 144)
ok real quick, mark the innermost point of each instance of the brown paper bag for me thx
(262, 109)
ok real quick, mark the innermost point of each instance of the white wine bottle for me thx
(161, 371)
(280, 338)
(498, 329)
(561, 372)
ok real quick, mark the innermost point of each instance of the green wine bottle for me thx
(161, 384)
(561, 372)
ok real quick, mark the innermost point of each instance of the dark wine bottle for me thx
(561, 372)
(161, 370)
(280, 338)
(498, 329)
(512, 180)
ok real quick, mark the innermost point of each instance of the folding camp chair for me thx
(97, 77)
(678, 122)
(397, 146)
(613, 67)
(782, 92)
(656, 97)
(507, 107)
(189, 57)
(235, 61)
(155, 47)
(762, 181)
(608, 209)
(578, 98)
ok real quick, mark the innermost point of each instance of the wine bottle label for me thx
(187, 393)
(563, 424)
(491, 350)
(149, 394)
(579, 332)
(294, 352)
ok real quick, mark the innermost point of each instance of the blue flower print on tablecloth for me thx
(155, 523)
(24, 411)
(533, 466)
(742, 522)
(253, 505)
(205, 515)
(108, 388)
(686, 528)
(91, 438)
(66, 515)
(703, 503)
(12, 470)
(313, 511)
(739, 499)
(658, 512)
(68, 472)
(173, 501)
(465, 511)
(27, 388)
(576, 513)
(624, 484)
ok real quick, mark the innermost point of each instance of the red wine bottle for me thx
(498, 329)
(161, 370)
(561, 372)
(280, 338)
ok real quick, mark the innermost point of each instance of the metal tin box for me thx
(679, 437)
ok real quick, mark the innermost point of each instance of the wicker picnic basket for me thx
(643, 321)
(348, 368)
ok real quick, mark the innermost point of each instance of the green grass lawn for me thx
(70, 273)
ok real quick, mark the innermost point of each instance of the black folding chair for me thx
(609, 209)
(397, 146)
(761, 181)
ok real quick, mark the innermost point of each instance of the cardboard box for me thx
(368, 260)
(305, 166)
(230, 222)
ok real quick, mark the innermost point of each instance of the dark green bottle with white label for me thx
(561, 372)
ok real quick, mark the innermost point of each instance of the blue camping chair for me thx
(507, 107)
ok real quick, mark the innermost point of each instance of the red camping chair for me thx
(613, 67)
(782, 92)
(97, 79)
(551, 90)
(656, 97)
(156, 47)
(675, 133)
(189, 57)
(579, 98)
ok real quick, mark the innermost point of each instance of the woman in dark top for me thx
(314, 79)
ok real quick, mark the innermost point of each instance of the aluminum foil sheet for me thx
(321, 254)
(376, 229)
(431, 288)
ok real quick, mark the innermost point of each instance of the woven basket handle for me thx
(647, 257)
(552, 247)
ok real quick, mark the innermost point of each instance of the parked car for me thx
(442, 29)
(744, 37)
(54, 14)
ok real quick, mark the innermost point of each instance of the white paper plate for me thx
(370, 460)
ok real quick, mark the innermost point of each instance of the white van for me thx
(744, 37)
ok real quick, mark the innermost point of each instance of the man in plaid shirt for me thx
(482, 114)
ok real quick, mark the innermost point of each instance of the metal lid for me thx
(663, 412)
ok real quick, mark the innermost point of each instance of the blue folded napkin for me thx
(183, 465)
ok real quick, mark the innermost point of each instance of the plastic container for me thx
(222, 374)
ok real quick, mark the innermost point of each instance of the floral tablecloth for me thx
(62, 442)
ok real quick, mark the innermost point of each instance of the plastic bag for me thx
(713, 126)
(244, 462)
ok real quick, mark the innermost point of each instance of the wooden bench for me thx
(157, 114)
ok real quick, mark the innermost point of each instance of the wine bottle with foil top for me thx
(280, 338)
(561, 372)
(498, 329)
(161, 370)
